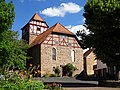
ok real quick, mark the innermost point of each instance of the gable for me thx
(61, 40)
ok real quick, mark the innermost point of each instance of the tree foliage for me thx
(12, 51)
(103, 21)
(7, 15)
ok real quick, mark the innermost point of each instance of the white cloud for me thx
(76, 28)
(61, 10)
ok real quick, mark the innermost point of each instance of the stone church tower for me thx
(52, 47)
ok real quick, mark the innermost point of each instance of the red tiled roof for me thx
(58, 28)
(36, 17)
(61, 29)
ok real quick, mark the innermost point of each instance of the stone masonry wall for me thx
(90, 59)
(63, 57)
(32, 38)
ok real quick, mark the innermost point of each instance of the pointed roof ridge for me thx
(36, 16)
(59, 28)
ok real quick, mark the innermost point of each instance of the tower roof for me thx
(57, 28)
(37, 17)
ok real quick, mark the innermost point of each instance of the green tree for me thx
(103, 21)
(7, 15)
(12, 51)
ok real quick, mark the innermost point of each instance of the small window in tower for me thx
(38, 29)
(54, 54)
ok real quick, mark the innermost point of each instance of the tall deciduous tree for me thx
(103, 21)
(7, 15)
(12, 51)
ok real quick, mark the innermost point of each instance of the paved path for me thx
(72, 84)
(69, 82)
(92, 88)
(65, 80)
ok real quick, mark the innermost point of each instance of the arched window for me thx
(73, 55)
(54, 54)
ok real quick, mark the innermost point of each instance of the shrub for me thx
(54, 75)
(57, 70)
(46, 75)
(34, 85)
(18, 80)
(69, 69)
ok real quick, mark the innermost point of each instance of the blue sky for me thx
(67, 12)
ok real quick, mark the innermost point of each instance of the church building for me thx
(52, 47)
